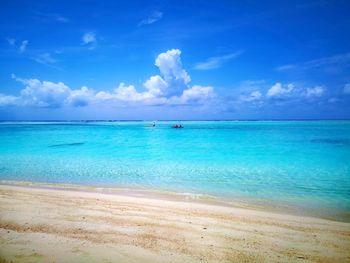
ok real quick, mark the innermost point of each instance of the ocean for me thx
(298, 163)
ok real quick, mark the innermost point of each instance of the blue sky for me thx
(174, 60)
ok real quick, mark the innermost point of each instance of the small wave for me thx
(332, 141)
(67, 144)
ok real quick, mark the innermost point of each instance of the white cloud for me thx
(49, 17)
(129, 94)
(80, 97)
(171, 87)
(278, 91)
(44, 93)
(6, 100)
(315, 91)
(11, 41)
(60, 18)
(49, 94)
(286, 67)
(253, 96)
(218, 61)
(290, 91)
(89, 39)
(45, 58)
(325, 61)
(13, 76)
(336, 60)
(333, 100)
(156, 85)
(23, 46)
(154, 17)
(170, 67)
(197, 93)
(346, 89)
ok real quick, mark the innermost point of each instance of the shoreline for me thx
(271, 206)
(68, 225)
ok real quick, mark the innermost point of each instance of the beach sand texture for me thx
(51, 225)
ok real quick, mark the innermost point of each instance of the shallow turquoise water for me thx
(296, 162)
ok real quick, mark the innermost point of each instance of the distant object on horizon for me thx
(177, 126)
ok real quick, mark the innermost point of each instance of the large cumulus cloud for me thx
(170, 87)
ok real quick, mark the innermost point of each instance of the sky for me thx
(169, 60)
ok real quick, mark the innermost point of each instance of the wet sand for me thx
(62, 225)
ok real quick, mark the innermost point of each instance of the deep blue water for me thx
(298, 162)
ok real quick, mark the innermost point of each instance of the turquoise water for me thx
(295, 162)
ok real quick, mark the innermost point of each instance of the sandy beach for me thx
(63, 225)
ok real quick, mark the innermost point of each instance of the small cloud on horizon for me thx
(290, 91)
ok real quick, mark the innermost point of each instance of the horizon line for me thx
(116, 120)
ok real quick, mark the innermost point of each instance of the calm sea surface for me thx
(296, 162)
